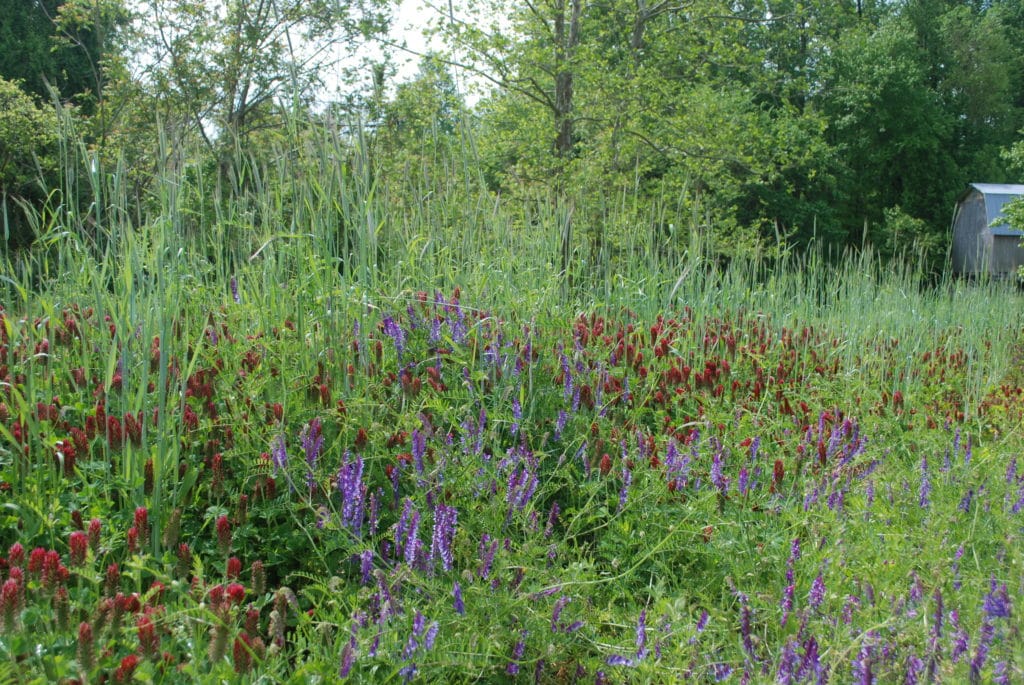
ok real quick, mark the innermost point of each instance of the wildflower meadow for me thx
(440, 460)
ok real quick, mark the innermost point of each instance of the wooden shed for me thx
(982, 241)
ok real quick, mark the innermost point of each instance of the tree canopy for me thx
(765, 121)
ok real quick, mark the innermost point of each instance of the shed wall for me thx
(1007, 255)
(968, 234)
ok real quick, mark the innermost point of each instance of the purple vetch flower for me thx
(937, 615)
(997, 601)
(717, 478)
(641, 635)
(278, 453)
(517, 655)
(721, 671)
(914, 668)
(457, 603)
(702, 622)
(817, 592)
(419, 448)
(862, 665)
(375, 511)
(563, 419)
(486, 551)
(522, 483)
(961, 641)
(410, 648)
(965, 502)
(412, 540)
(810, 663)
(395, 332)
(786, 671)
(234, 290)
(403, 525)
(581, 454)
(1001, 673)
(366, 565)
(851, 604)
(1018, 506)
(794, 553)
(556, 613)
(627, 479)
(419, 623)
(619, 660)
(445, 521)
(552, 520)
(981, 651)
(743, 481)
(435, 330)
(745, 630)
(567, 384)
(517, 413)
(1011, 471)
(787, 602)
(353, 492)
(348, 657)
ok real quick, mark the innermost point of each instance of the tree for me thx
(28, 139)
(29, 54)
(221, 67)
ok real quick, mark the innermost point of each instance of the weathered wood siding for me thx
(969, 245)
(981, 242)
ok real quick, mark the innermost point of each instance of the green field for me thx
(387, 437)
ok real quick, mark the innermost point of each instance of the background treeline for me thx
(748, 124)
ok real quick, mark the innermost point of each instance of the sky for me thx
(409, 21)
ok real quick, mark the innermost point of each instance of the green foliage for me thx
(28, 151)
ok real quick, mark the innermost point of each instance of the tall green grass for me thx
(324, 231)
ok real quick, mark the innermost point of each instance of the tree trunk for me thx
(567, 39)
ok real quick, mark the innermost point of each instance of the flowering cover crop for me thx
(441, 493)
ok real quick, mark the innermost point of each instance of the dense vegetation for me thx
(767, 122)
(398, 389)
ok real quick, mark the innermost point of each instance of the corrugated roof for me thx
(996, 195)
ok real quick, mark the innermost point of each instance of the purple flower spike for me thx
(419, 448)
(981, 652)
(641, 635)
(459, 605)
(517, 654)
(787, 602)
(817, 593)
(997, 602)
(556, 613)
(431, 636)
(445, 521)
(395, 332)
(278, 453)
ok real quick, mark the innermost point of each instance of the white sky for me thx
(409, 21)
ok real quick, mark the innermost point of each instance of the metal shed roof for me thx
(996, 195)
